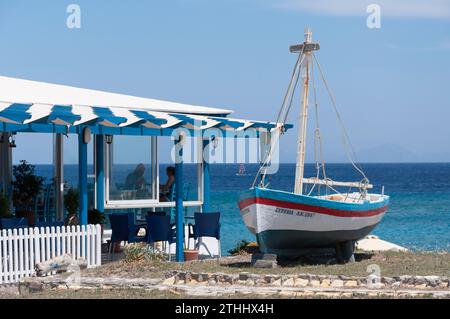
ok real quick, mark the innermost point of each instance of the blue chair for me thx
(13, 223)
(49, 224)
(159, 228)
(44, 204)
(39, 206)
(50, 208)
(124, 229)
(206, 225)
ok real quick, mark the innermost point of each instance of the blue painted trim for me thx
(106, 114)
(231, 123)
(149, 118)
(99, 129)
(206, 179)
(82, 180)
(99, 172)
(186, 119)
(64, 113)
(179, 218)
(17, 112)
(310, 200)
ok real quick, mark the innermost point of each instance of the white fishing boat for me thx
(289, 223)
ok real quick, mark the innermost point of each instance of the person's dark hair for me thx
(171, 169)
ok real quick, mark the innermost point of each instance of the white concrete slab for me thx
(373, 243)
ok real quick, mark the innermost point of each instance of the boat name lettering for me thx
(293, 212)
(284, 211)
(304, 214)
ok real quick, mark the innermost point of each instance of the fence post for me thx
(73, 241)
(47, 243)
(1, 256)
(98, 250)
(42, 243)
(58, 241)
(29, 252)
(52, 242)
(37, 241)
(63, 240)
(5, 255)
(15, 268)
(21, 238)
(83, 241)
(88, 243)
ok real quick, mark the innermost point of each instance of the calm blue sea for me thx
(418, 217)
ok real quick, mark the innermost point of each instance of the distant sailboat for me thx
(289, 223)
(241, 171)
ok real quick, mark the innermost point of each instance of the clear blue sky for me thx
(392, 84)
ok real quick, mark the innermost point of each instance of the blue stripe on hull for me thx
(310, 200)
(290, 243)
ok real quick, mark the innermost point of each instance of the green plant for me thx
(96, 217)
(71, 201)
(26, 185)
(4, 207)
(137, 252)
(244, 247)
(240, 248)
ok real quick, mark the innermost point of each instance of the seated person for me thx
(135, 180)
(165, 189)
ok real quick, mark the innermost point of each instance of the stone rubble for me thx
(301, 285)
(310, 280)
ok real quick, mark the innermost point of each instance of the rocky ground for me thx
(382, 275)
(389, 263)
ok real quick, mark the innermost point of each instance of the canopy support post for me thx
(100, 173)
(206, 177)
(179, 199)
(6, 166)
(82, 179)
(58, 158)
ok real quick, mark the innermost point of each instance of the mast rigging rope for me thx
(347, 144)
(282, 117)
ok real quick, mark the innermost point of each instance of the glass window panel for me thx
(190, 168)
(130, 176)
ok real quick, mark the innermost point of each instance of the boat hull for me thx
(286, 224)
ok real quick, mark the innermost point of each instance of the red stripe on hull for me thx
(314, 209)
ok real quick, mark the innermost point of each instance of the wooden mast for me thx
(306, 48)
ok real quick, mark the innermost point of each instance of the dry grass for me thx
(390, 263)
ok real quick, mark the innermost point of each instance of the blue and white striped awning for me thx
(31, 106)
(19, 117)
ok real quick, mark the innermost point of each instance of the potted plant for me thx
(26, 186)
(190, 254)
(71, 204)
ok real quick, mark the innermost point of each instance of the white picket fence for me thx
(22, 249)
